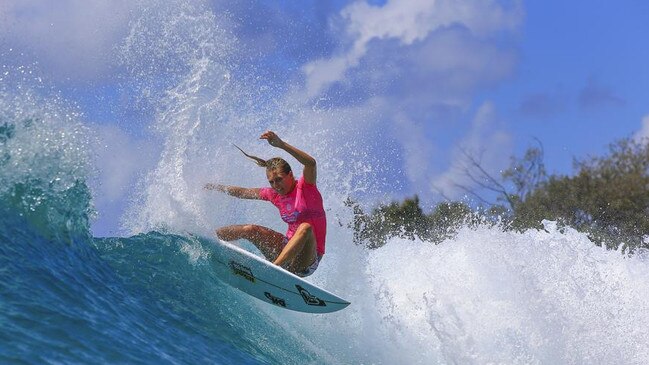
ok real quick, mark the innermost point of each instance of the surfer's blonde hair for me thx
(271, 164)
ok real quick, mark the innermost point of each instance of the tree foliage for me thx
(408, 220)
(607, 197)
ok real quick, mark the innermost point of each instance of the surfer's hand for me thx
(272, 139)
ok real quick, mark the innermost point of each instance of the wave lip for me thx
(44, 163)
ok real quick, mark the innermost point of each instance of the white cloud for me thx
(121, 159)
(407, 22)
(426, 61)
(417, 147)
(643, 133)
(486, 143)
(72, 38)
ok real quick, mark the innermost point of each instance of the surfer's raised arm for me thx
(236, 191)
(309, 163)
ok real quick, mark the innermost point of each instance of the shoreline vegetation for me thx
(607, 197)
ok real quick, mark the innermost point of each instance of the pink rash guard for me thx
(302, 204)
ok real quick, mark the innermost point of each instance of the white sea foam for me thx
(485, 296)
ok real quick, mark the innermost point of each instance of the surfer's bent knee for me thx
(229, 233)
(224, 233)
(251, 231)
(247, 231)
(307, 227)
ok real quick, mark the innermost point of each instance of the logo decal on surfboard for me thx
(310, 299)
(275, 300)
(242, 270)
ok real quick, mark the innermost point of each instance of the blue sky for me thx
(429, 77)
(580, 82)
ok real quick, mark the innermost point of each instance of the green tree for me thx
(404, 219)
(407, 220)
(608, 197)
(445, 219)
(513, 185)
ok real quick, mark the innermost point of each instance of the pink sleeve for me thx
(266, 194)
(304, 183)
(300, 203)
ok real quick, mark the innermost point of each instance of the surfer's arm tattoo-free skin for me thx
(236, 191)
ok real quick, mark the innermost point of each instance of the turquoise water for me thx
(66, 297)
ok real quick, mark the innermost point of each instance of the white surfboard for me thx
(268, 282)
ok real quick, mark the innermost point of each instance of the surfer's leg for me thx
(300, 250)
(269, 242)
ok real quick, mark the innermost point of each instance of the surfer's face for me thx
(280, 181)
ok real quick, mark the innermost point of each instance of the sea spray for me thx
(45, 157)
(192, 61)
(209, 100)
(490, 296)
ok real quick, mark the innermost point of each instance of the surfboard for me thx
(270, 283)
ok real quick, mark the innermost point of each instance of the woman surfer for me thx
(300, 206)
